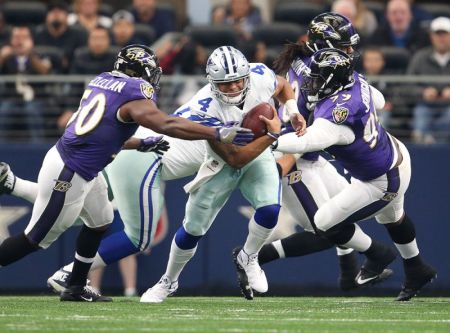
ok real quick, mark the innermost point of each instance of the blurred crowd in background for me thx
(82, 37)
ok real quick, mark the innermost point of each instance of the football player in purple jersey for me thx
(346, 126)
(310, 180)
(112, 107)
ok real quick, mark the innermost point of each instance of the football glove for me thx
(233, 134)
(154, 144)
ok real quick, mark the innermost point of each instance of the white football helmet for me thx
(227, 64)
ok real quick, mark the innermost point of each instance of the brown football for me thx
(251, 119)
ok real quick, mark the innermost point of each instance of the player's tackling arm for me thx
(238, 157)
(146, 113)
(320, 135)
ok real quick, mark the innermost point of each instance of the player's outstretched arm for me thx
(238, 157)
(146, 113)
(155, 144)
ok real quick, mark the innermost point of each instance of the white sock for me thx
(409, 250)
(257, 236)
(343, 252)
(178, 258)
(279, 248)
(97, 263)
(360, 240)
(25, 189)
(128, 292)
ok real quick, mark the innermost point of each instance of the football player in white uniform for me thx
(235, 87)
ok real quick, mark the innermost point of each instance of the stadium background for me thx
(211, 271)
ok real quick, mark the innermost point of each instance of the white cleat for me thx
(160, 291)
(255, 275)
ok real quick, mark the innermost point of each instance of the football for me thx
(251, 119)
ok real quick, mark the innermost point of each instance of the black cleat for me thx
(374, 270)
(82, 294)
(246, 290)
(416, 279)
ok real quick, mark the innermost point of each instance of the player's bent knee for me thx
(323, 219)
(185, 240)
(267, 216)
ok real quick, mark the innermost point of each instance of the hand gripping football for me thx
(251, 119)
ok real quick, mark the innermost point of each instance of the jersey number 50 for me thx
(94, 109)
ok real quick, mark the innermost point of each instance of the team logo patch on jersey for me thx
(294, 177)
(147, 90)
(340, 114)
(389, 196)
(62, 186)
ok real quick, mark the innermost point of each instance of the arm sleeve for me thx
(378, 98)
(322, 134)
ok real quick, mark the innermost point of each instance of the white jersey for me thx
(204, 105)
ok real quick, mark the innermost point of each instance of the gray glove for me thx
(233, 134)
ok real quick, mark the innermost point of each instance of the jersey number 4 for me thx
(94, 110)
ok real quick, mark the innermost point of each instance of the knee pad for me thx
(185, 240)
(117, 246)
(267, 216)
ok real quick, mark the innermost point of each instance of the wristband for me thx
(273, 135)
(291, 107)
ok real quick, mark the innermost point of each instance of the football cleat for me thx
(59, 281)
(374, 270)
(7, 179)
(255, 275)
(246, 290)
(82, 294)
(160, 291)
(416, 279)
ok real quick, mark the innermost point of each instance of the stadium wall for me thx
(212, 271)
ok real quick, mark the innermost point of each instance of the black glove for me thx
(154, 144)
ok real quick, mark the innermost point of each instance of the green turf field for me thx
(226, 314)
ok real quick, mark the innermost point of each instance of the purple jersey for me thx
(295, 78)
(371, 154)
(95, 134)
